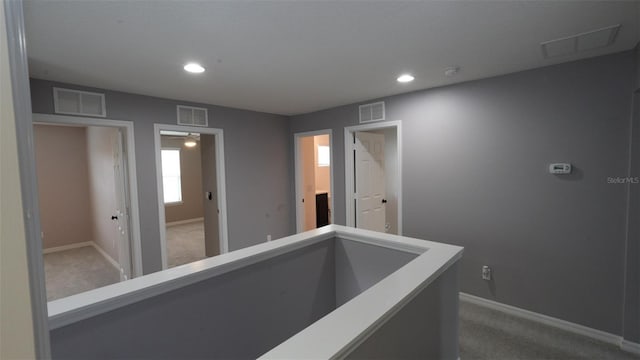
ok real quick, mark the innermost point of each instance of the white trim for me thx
(220, 179)
(349, 166)
(182, 222)
(544, 319)
(175, 203)
(66, 247)
(298, 178)
(130, 154)
(79, 92)
(630, 346)
(109, 259)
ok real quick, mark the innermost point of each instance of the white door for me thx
(370, 181)
(122, 210)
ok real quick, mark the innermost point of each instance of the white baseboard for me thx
(603, 336)
(67, 247)
(182, 222)
(106, 256)
(630, 346)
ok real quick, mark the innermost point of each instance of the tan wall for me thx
(16, 323)
(323, 173)
(63, 184)
(191, 178)
(102, 188)
(308, 181)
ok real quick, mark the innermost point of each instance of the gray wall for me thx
(360, 266)
(425, 328)
(238, 315)
(475, 159)
(257, 156)
(632, 280)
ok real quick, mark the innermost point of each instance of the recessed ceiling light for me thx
(405, 78)
(194, 68)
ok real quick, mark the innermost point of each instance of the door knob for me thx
(384, 201)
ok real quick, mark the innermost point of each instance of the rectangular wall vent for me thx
(75, 102)
(192, 116)
(372, 112)
(580, 42)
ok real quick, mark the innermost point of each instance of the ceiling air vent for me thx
(192, 116)
(75, 102)
(580, 42)
(372, 112)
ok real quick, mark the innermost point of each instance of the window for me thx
(171, 184)
(324, 155)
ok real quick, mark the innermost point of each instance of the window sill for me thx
(175, 203)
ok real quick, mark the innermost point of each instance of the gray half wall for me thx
(240, 314)
(475, 159)
(257, 157)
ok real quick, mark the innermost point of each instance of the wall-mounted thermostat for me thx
(560, 168)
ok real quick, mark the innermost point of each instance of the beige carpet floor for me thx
(185, 243)
(78, 270)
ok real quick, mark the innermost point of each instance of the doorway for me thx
(88, 215)
(314, 179)
(373, 177)
(191, 195)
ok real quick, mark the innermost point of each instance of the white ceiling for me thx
(289, 57)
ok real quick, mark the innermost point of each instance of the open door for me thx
(370, 181)
(121, 215)
(209, 188)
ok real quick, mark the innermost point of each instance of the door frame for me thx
(129, 158)
(220, 179)
(349, 169)
(298, 175)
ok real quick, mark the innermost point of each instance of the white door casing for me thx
(220, 183)
(370, 181)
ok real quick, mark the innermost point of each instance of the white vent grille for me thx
(580, 42)
(75, 102)
(372, 112)
(193, 116)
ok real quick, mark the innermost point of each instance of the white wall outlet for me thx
(486, 273)
(269, 237)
